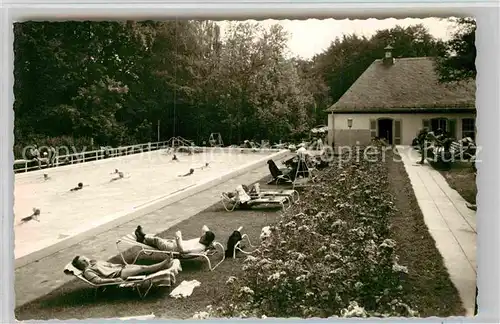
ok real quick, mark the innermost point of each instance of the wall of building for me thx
(360, 131)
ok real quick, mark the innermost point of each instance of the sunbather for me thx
(273, 168)
(275, 172)
(179, 245)
(241, 192)
(102, 272)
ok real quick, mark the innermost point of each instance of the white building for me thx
(395, 98)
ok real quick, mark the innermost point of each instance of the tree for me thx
(457, 61)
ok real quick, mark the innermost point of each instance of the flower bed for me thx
(329, 255)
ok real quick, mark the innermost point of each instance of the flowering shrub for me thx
(329, 255)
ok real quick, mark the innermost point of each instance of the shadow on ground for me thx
(76, 300)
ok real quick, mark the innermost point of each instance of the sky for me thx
(313, 36)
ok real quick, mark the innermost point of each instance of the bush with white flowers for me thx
(329, 255)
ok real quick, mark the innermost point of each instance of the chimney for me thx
(388, 59)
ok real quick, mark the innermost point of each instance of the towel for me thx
(185, 289)
(242, 195)
(257, 188)
(265, 233)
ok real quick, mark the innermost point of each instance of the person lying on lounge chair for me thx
(242, 194)
(241, 191)
(102, 272)
(197, 245)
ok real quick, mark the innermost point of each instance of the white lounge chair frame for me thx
(303, 182)
(130, 239)
(131, 282)
(237, 246)
(231, 203)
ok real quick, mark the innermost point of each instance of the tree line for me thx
(111, 83)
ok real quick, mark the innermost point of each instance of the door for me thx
(385, 129)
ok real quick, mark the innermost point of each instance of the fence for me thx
(103, 153)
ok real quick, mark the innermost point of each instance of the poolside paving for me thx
(40, 277)
(450, 222)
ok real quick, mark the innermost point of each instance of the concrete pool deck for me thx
(37, 279)
(67, 218)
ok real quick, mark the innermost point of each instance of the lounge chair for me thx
(303, 174)
(230, 203)
(238, 246)
(162, 278)
(256, 192)
(130, 239)
(277, 174)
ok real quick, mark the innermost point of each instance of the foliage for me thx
(115, 82)
(330, 255)
(457, 61)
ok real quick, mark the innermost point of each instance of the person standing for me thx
(52, 156)
(422, 144)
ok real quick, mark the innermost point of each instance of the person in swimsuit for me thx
(179, 245)
(204, 166)
(119, 173)
(191, 171)
(102, 272)
(79, 187)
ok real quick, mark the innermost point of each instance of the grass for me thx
(76, 299)
(428, 286)
(462, 178)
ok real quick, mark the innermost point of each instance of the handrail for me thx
(88, 156)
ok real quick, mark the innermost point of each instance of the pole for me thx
(350, 144)
(158, 131)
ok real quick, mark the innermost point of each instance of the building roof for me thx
(409, 85)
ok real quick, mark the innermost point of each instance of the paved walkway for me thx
(450, 222)
(37, 279)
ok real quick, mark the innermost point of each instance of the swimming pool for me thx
(149, 177)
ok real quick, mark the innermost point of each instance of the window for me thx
(469, 128)
(439, 123)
